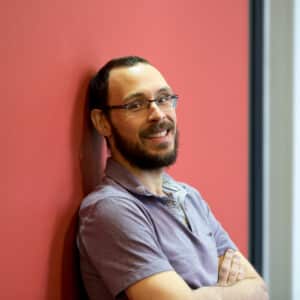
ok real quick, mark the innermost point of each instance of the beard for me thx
(138, 156)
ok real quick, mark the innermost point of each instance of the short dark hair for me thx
(98, 86)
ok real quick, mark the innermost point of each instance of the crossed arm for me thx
(237, 281)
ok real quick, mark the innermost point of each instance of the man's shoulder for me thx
(108, 199)
(111, 209)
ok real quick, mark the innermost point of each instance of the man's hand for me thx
(231, 269)
(170, 286)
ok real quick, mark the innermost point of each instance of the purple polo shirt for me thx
(127, 234)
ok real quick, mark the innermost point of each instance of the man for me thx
(143, 235)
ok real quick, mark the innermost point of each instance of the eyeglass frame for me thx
(172, 97)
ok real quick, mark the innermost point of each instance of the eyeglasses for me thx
(164, 102)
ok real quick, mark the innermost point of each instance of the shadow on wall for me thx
(86, 151)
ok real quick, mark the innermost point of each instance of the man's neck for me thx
(151, 179)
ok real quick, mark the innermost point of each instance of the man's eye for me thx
(163, 99)
(136, 105)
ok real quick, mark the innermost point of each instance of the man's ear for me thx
(100, 122)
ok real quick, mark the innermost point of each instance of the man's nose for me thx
(155, 112)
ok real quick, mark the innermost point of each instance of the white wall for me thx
(296, 157)
(281, 148)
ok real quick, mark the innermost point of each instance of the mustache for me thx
(157, 127)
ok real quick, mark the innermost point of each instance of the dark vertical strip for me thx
(256, 134)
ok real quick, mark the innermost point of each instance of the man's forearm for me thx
(248, 289)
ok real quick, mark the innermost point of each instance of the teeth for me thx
(158, 134)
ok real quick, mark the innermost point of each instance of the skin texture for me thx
(231, 268)
(170, 286)
(125, 83)
(237, 278)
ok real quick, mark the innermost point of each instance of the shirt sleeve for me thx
(120, 242)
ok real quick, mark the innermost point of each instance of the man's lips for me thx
(158, 130)
(158, 134)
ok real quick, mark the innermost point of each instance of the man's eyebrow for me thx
(139, 94)
(133, 95)
(164, 89)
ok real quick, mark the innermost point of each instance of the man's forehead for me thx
(140, 76)
(132, 73)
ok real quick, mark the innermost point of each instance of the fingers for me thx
(241, 274)
(225, 267)
(231, 269)
(234, 270)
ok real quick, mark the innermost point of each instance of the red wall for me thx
(48, 51)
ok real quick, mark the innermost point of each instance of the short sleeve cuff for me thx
(134, 276)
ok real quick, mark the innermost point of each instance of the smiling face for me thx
(147, 139)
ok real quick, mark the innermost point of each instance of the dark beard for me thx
(139, 157)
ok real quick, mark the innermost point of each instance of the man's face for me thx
(147, 139)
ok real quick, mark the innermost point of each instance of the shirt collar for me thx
(122, 176)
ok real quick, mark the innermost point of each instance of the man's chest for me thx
(190, 248)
